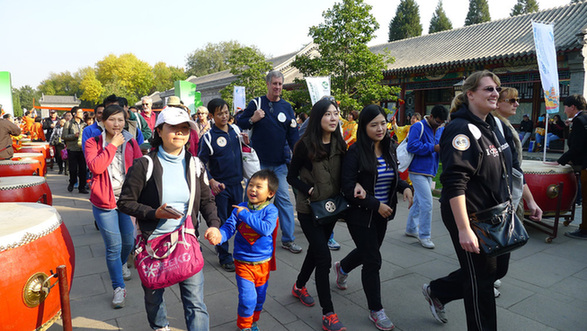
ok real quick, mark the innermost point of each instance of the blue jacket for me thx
(421, 144)
(221, 153)
(271, 133)
(254, 233)
(89, 132)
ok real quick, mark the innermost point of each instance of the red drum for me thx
(33, 243)
(39, 147)
(20, 168)
(543, 178)
(25, 189)
(32, 156)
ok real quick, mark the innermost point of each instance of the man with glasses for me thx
(423, 142)
(148, 114)
(273, 122)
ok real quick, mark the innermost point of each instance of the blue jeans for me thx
(192, 297)
(420, 215)
(524, 136)
(550, 137)
(118, 234)
(283, 203)
(231, 195)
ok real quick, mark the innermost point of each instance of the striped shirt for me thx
(385, 176)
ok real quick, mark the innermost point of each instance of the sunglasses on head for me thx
(512, 100)
(490, 89)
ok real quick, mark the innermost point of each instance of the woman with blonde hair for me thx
(477, 172)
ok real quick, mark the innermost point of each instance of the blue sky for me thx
(39, 37)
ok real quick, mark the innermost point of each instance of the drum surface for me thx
(26, 167)
(31, 233)
(543, 178)
(34, 156)
(25, 189)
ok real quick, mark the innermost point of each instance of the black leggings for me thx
(473, 282)
(368, 242)
(317, 257)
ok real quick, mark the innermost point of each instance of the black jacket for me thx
(362, 210)
(472, 161)
(577, 153)
(141, 199)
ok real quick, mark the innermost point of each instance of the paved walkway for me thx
(545, 289)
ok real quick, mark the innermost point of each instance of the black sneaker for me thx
(83, 191)
(228, 267)
(303, 295)
(69, 188)
(577, 234)
(330, 322)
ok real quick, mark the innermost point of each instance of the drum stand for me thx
(552, 230)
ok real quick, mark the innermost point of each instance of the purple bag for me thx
(170, 258)
(64, 154)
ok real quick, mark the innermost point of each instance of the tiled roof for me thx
(59, 99)
(506, 38)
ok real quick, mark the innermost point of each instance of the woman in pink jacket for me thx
(109, 156)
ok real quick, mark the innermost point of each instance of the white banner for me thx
(239, 98)
(318, 87)
(546, 55)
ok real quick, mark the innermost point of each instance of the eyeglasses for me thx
(512, 100)
(490, 89)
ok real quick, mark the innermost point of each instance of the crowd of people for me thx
(193, 171)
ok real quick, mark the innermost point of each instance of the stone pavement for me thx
(545, 289)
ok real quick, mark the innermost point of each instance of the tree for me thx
(524, 7)
(355, 72)
(125, 76)
(23, 98)
(211, 58)
(478, 12)
(60, 84)
(406, 23)
(439, 21)
(165, 76)
(250, 67)
(92, 89)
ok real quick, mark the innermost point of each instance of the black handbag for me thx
(498, 229)
(328, 210)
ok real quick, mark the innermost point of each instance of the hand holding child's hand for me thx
(239, 209)
(213, 235)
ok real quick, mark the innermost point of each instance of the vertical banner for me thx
(6, 93)
(186, 91)
(239, 99)
(546, 55)
(318, 87)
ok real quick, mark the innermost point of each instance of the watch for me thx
(251, 121)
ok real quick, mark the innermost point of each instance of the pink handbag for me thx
(169, 259)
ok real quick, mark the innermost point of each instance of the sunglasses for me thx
(270, 106)
(512, 100)
(146, 104)
(490, 89)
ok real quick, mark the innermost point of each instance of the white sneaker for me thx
(427, 243)
(119, 298)
(126, 275)
(497, 283)
(496, 292)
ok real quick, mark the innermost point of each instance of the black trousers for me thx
(77, 168)
(473, 282)
(368, 242)
(317, 257)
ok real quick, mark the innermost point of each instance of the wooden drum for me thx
(39, 147)
(32, 156)
(543, 179)
(33, 243)
(20, 168)
(25, 189)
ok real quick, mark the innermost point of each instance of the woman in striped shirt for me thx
(370, 182)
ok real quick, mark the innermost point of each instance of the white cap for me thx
(174, 116)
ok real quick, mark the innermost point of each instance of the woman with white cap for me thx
(147, 196)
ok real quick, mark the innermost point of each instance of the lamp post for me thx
(458, 87)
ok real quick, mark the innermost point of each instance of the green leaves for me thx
(250, 67)
(439, 21)
(406, 23)
(478, 12)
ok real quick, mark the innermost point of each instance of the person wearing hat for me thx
(526, 127)
(194, 141)
(49, 123)
(146, 198)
